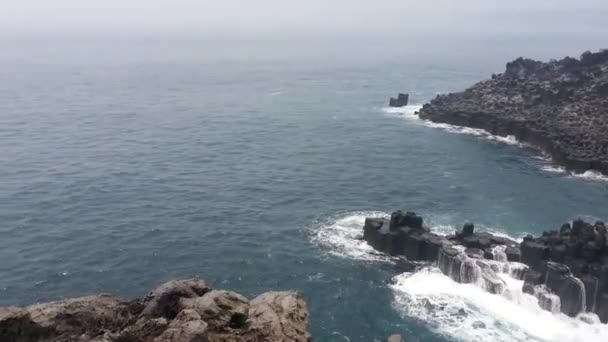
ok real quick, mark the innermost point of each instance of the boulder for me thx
(219, 308)
(163, 301)
(278, 316)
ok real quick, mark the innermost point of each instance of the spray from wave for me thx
(464, 312)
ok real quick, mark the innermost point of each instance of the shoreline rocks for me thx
(177, 311)
(566, 270)
(560, 107)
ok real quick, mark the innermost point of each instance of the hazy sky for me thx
(211, 17)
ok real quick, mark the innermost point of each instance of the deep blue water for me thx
(125, 164)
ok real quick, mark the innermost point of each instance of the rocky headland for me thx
(565, 269)
(560, 107)
(177, 311)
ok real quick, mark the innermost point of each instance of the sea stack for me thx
(401, 100)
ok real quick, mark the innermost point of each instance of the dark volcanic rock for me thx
(565, 270)
(400, 101)
(559, 106)
(178, 311)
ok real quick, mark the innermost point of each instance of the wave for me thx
(410, 113)
(462, 312)
(343, 236)
(587, 175)
(466, 312)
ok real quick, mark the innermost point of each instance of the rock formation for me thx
(400, 101)
(178, 311)
(566, 270)
(559, 106)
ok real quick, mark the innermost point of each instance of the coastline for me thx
(558, 107)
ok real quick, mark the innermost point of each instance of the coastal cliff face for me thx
(177, 311)
(566, 269)
(558, 106)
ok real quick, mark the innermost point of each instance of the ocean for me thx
(253, 163)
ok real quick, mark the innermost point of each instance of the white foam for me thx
(590, 175)
(587, 175)
(342, 236)
(466, 312)
(553, 169)
(410, 113)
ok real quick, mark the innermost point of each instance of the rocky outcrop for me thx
(178, 311)
(566, 270)
(400, 101)
(558, 106)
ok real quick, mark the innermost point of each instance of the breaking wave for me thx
(410, 113)
(463, 312)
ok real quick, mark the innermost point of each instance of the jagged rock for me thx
(278, 316)
(219, 308)
(163, 301)
(565, 269)
(178, 311)
(186, 327)
(559, 106)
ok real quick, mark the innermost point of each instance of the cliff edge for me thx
(560, 107)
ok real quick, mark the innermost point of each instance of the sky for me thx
(253, 17)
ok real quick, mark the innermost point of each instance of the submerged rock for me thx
(178, 311)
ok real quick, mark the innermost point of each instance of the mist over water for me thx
(252, 164)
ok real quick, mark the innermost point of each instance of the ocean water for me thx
(253, 164)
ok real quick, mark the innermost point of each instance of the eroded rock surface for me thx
(177, 311)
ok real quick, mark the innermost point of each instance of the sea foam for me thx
(463, 312)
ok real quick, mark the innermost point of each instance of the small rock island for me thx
(566, 269)
(560, 107)
(401, 100)
(177, 311)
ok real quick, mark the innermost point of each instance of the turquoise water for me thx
(251, 165)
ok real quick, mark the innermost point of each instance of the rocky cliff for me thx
(558, 106)
(178, 311)
(565, 269)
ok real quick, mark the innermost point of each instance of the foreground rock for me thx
(566, 270)
(559, 106)
(178, 311)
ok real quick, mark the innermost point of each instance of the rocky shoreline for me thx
(177, 311)
(560, 107)
(565, 269)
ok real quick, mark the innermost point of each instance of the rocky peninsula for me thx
(565, 269)
(559, 106)
(177, 311)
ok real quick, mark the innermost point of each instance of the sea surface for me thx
(252, 164)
